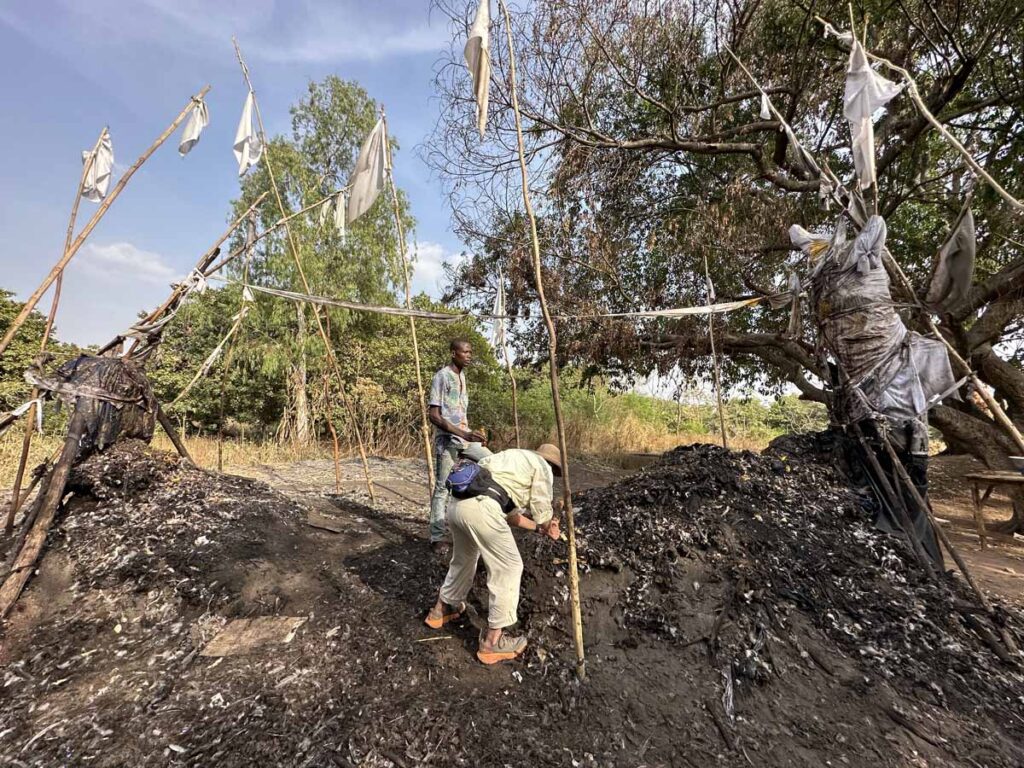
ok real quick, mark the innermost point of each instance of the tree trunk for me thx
(299, 383)
(988, 444)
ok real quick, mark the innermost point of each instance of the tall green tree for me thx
(278, 373)
(24, 349)
(650, 155)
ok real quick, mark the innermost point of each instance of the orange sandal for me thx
(448, 613)
(507, 648)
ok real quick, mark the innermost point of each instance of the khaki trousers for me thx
(478, 530)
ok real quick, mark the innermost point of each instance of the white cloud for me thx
(301, 31)
(428, 268)
(123, 262)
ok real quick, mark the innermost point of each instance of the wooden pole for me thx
(925, 508)
(225, 370)
(203, 266)
(897, 502)
(403, 259)
(305, 283)
(91, 225)
(172, 433)
(16, 498)
(272, 228)
(27, 557)
(574, 576)
(508, 365)
(714, 355)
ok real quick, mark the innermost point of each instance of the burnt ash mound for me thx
(739, 609)
(785, 536)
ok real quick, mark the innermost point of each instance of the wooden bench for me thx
(990, 480)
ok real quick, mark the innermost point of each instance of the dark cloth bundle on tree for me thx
(113, 396)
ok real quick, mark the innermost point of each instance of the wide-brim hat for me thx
(552, 456)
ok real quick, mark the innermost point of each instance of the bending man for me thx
(449, 413)
(514, 480)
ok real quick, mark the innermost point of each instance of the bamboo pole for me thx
(574, 577)
(508, 364)
(714, 355)
(305, 283)
(250, 240)
(403, 259)
(272, 228)
(16, 498)
(91, 225)
(925, 508)
(202, 266)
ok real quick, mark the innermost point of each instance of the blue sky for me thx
(68, 68)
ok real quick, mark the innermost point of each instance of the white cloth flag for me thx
(766, 112)
(478, 59)
(498, 327)
(248, 147)
(97, 179)
(368, 175)
(339, 216)
(197, 121)
(866, 91)
(325, 211)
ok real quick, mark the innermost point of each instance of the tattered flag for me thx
(866, 92)
(97, 180)
(248, 147)
(368, 175)
(198, 119)
(954, 267)
(478, 59)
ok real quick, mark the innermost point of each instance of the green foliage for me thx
(24, 348)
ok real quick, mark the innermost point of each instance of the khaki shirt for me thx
(526, 477)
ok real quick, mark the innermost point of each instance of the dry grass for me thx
(202, 449)
(626, 435)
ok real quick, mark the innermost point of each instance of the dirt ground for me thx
(102, 661)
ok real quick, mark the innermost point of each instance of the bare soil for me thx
(739, 610)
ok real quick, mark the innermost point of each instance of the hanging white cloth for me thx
(248, 147)
(368, 175)
(866, 92)
(325, 211)
(478, 59)
(23, 408)
(766, 110)
(498, 324)
(339, 217)
(198, 119)
(844, 37)
(954, 266)
(97, 180)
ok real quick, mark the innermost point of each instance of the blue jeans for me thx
(446, 451)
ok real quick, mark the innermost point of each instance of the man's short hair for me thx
(456, 343)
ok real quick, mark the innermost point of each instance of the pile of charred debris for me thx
(739, 609)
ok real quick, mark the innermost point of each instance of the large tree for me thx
(649, 155)
(328, 128)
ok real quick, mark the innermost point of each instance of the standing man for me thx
(510, 483)
(449, 406)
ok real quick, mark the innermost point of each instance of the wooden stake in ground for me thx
(23, 565)
(16, 498)
(508, 359)
(574, 576)
(714, 355)
(69, 253)
(403, 260)
(305, 283)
